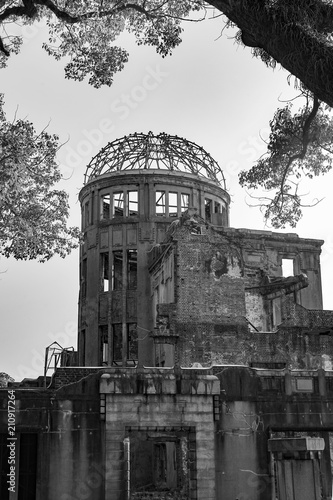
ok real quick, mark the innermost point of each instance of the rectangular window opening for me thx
(84, 278)
(118, 204)
(173, 204)
(133, 203)
(224, 215)
(208, 209)
(276, 312)
(117, 341)
(105, 272)
(104, 344)
(105, 207)
(217, 207)
(287, 267)
(160, 203)
(184, 202)
(132, 341)
(117, 270)
(160, 464)
(132, 269)
(86, 214)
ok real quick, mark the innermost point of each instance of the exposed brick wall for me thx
(296, 350)
(223, 299)
(255, 310)
(68, 376)
(208, 344)
(296, 315)
(210, 301)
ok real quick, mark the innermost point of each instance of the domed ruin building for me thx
(204, 360)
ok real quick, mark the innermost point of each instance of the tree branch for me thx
(302, 51)
(305, 142)
(13, 11)
(68, 18)
(3, 48)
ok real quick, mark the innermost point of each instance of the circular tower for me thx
(134, 188)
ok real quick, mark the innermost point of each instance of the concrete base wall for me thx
(165, 405)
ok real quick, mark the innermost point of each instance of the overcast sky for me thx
(210, 91)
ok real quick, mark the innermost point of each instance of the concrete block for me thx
(169, 386)
(199, 418)
(114, 474)
(115, 435)
(206, 453)
(206, 473)
(206, 490)
(114, 445)
(114, 457)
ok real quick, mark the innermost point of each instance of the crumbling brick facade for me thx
(233, 306)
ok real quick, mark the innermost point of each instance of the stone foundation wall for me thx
(167, 404)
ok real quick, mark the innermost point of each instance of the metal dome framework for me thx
(149, 151)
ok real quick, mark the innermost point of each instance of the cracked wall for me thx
(233, 305)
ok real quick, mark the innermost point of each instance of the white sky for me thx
(210, 91)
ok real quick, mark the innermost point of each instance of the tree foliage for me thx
(86, 31)
(294, 33)
(33, 214)
(299, 145)
(4, 379)
(297, 34)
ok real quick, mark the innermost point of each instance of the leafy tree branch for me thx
(33, 214)
(87, 31)
(299, 145)
(295, 34)
(305, 141)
